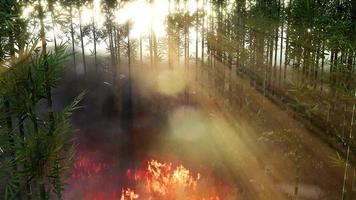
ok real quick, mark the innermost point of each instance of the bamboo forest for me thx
(178, 99)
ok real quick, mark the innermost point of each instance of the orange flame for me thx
(163, 181)
(128, 194)
(156, 181)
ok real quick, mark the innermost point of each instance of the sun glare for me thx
(144, 17)
(86, 15)
(27, 11)
(192, 6)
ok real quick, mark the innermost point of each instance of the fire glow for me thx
(83, 168)
(155, 181)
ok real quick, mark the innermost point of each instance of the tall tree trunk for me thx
(203, 34)
(169, 27)
(322, 67)
(130, 75)
(155, 49)
(281, 52)
(286, 54)
(151, 48)
(72, 36)
(349, 69)
(95, 56)
(118, 47)
(270, 64)
(196, 42)
(44, 55)
(185, 46)
(141, 49)
(112, 54)
(82, 42)
(316, 70)
(275, 61)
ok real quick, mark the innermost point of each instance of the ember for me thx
(84, 167)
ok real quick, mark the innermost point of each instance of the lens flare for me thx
(171, 83)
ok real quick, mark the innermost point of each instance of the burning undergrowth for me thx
(153, 181)
(163, 181)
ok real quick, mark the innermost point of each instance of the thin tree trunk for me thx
(270, 65)
(44, 55)
(286, 56)
(155, 50)
(275, 61)
(281, 53)
(129, 66)
(72, 36)
(169, 27)
(95, 56)
(82, 42)
(196, 44)
(117, 40)
(316, 70)
(141, 49)
(196, 54)
(112, 54)
(150, 44)
(322, 68)
(203, 34)
(185, 46)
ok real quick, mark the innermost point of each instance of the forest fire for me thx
(155, 181)
(235, 99)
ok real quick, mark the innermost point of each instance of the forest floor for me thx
(179, 116)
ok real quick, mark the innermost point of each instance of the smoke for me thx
(107, 146)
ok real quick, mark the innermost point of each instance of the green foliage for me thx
(38, 153)
(43, 77)
(6, 21)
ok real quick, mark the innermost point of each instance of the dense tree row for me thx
(302, 53)
(299, 53)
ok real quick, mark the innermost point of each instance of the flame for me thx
(128, 194)
(163, 181)
(155, 181)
